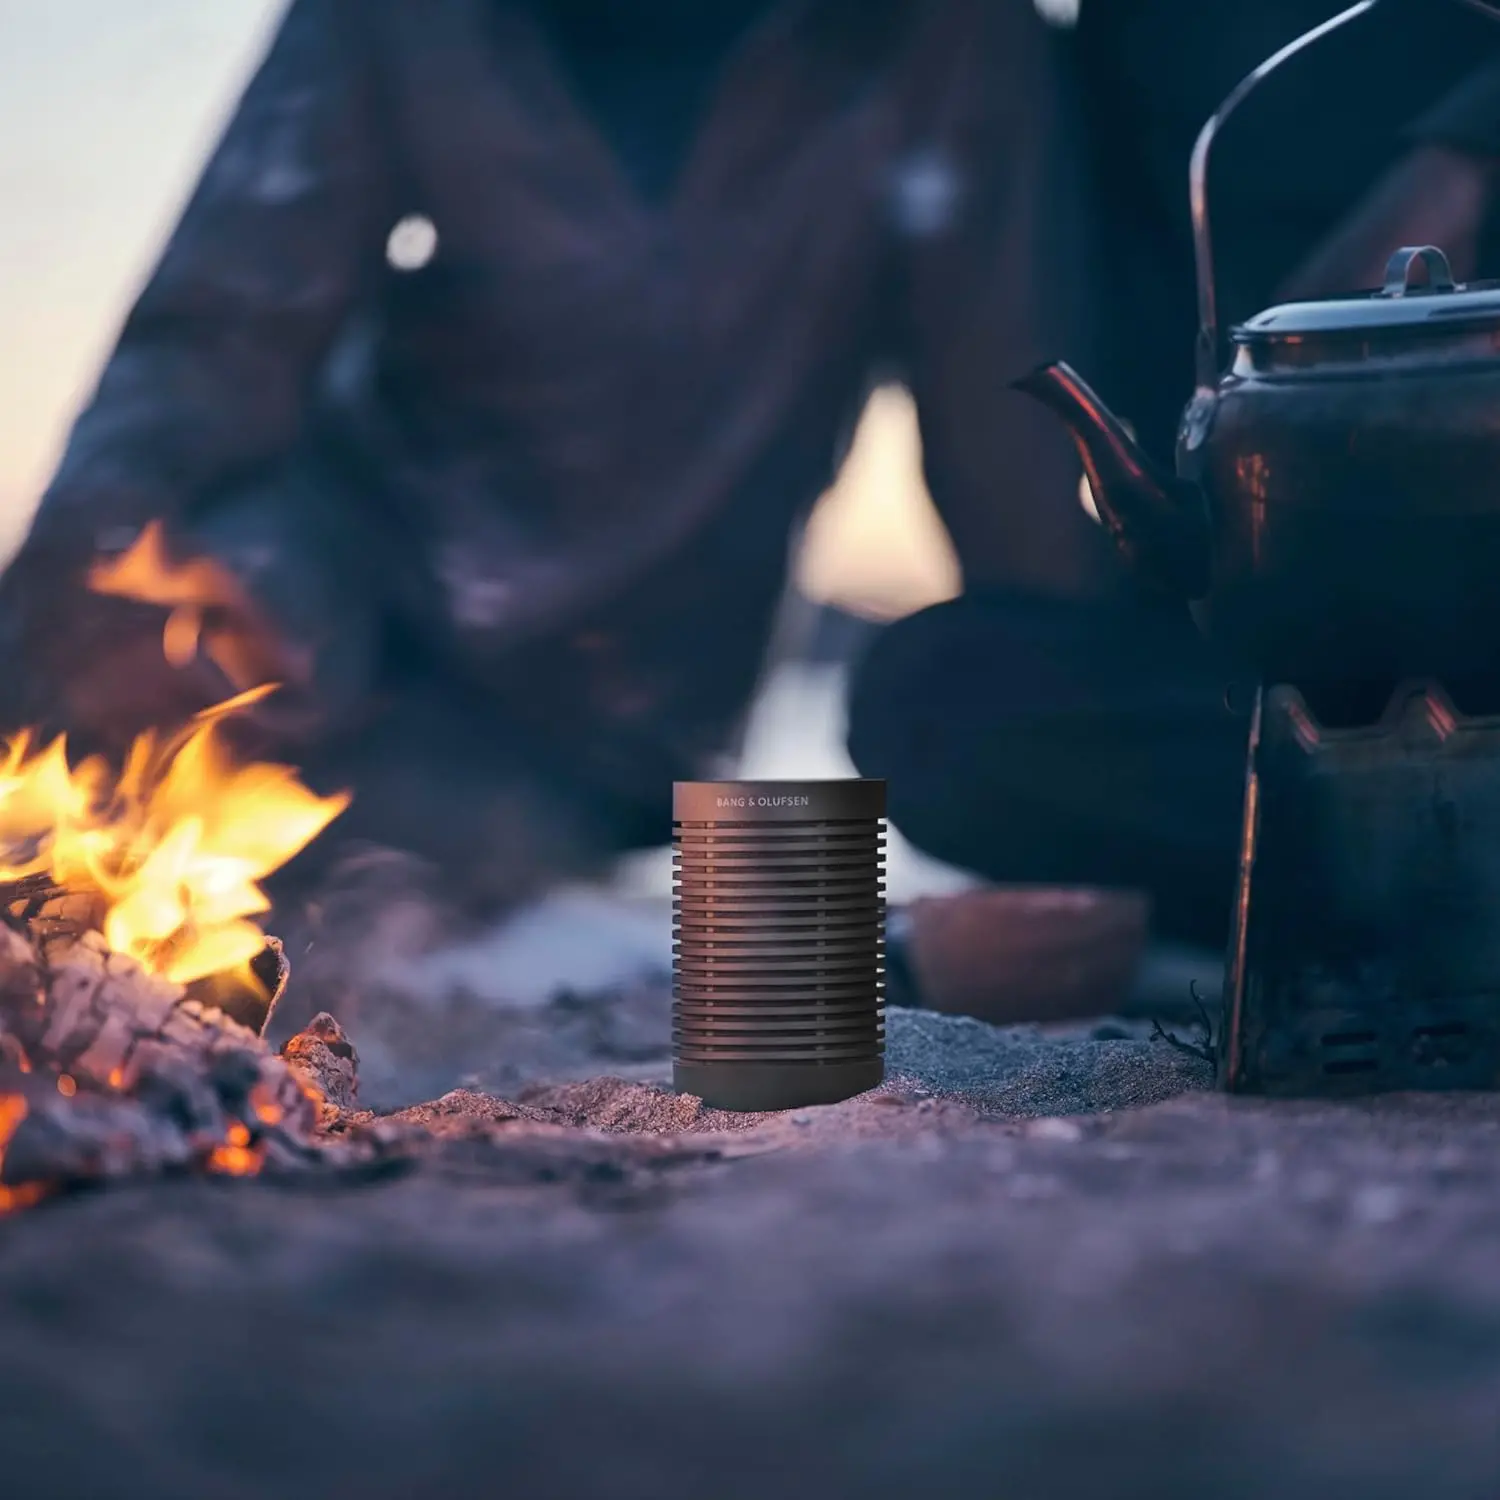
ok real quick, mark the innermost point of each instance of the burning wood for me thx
(174, 847)
(325, 1060)
(112, 1071)
(135, 981)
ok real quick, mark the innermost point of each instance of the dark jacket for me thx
(573, 447)
(566, 457)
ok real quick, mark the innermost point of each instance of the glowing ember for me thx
(24, 1196)
(12, 1112)
(267, 1110)
(238, 1156)
(174, 846)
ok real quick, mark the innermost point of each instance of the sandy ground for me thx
(1033, 1265)
(1037, 1264)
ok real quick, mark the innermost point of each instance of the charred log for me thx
(325, 1060)
(107, 1071)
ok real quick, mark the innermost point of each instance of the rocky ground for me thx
(1033, 1265)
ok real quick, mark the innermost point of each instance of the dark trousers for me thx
(1040, 741)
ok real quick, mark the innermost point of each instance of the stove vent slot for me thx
(1350, 1039)
(1352, 1052)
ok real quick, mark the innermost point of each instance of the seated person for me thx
(1034, 736)
(508, 518)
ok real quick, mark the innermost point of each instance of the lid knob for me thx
(1399, 268)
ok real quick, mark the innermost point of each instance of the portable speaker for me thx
(779, 941)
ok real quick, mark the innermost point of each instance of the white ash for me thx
(121, 1074)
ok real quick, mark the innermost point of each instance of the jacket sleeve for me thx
(208, 380)
(991, 216)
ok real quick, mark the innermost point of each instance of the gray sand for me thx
(1008, 1273)
(1026, 1070)
(962, 1066)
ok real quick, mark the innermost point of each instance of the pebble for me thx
(1377, 1205)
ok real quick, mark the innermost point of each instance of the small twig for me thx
(1204, 1019)
(1206, 1050)
(31, 893)
(29, 888)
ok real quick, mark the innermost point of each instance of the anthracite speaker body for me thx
(779, 953)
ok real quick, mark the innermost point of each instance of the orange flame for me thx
(175, 846)
(207, 608)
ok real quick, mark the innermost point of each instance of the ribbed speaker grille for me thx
(779, 958)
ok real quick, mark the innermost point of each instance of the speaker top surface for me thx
(777, 801)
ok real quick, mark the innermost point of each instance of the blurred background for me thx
(107, 114)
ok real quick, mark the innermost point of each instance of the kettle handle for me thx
(1400, 266)
(1203, 254)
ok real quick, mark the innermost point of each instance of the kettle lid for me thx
(1442, 304)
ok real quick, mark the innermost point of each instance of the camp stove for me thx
(1365, 946)
(1334, 524)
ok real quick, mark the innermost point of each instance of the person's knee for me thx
(902, 719)
(1048, 741)
(929, 680)
(891, 708)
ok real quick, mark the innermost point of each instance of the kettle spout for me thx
(1158, 524)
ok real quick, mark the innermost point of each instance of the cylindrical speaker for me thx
(779, 941)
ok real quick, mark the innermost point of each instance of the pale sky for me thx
(107, 108)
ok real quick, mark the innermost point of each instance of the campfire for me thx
(171, 850)
(136, 979)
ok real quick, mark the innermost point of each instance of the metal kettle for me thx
(1335, 510)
